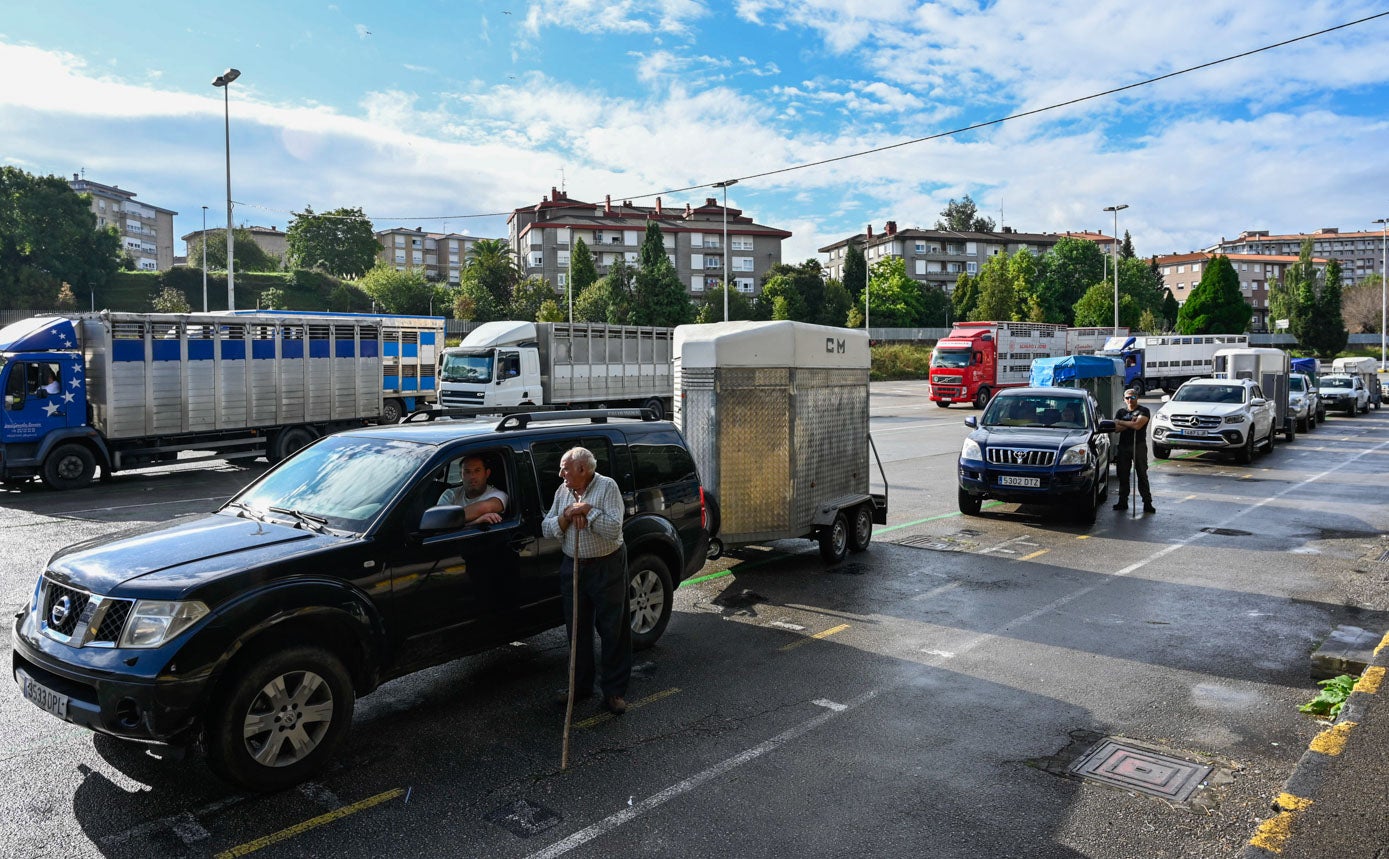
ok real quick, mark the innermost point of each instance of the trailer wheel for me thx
(392, 411)
(69, 466)
(277, 720)
(981, 399)
(655, 407)
(834, 539)
(862, 531)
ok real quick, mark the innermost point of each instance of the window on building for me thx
(562, 259)
(742, 263)
(399, 242)
(631, 257)
(417, 257)
(696, 283)
(399, 256)
(972, 267)
(744, 284)
(696, 240)
(562, 279)
(415, 242)
(537, 260)
(921, 266)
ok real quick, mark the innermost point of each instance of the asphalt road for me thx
(924, 698)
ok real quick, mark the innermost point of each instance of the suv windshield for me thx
(343, 481)
(1035, 411)
(466, 368)
(1209, 394)
(1333, 382)
(950, 358)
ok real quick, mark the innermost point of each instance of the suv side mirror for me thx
(1107, 425)
(449, 517)
(1258, 401)
(972, 422)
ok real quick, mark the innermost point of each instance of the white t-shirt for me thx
(459, 495)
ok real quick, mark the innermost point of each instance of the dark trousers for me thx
(603, 606)
(1139, 463)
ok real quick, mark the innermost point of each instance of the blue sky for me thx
(423, 113)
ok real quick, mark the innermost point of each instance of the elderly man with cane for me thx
(1132, 419)
(587, 518)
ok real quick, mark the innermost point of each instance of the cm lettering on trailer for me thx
(833, 345)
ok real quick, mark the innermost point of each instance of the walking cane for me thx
(573, 649)
(1133, 476)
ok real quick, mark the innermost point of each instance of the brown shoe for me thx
(615, 704)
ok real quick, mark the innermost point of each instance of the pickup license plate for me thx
(1009, 480)
(1197, 433)
(43, 697)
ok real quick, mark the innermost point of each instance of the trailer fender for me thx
(825, 513)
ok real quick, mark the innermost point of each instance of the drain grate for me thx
(523, 818)
(1143, 770)
(926, 541)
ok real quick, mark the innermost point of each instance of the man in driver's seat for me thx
(483, 502)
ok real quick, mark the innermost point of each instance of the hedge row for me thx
(134, 291)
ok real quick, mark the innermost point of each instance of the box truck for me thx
(1166, 361)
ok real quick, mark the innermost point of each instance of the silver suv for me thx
(1229, 415)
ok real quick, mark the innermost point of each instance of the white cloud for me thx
(362, 31)
(673, 17)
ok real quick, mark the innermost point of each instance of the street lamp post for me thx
(1383, 285)
(204, 259)
(1116, 210)
(724, 185)
(224, 81)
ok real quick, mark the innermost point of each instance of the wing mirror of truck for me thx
(972, 422)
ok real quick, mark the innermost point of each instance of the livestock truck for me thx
(515, 366)
(1166, 361)
(978, 358)
(127, 390)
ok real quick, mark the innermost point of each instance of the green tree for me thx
(394, 291)
(962, 216)
(1170, 309)
(739, 307)
(894, 300)
(1096, 308)
(935, 306)
(1327, 334)
(658, 297)
(550, 311)
(170, 300)
(48, 237)
(527, 298)
(855, 272)
(837, 303)
(247, 255)
(341, 242)
(964, 298)
(1024, 271)
(585, 273)
(1215, 305)
(997, 296)
(1070, 268)
(474, 303)
(1126, 248)
(797, 292)
(609, 299)
(272, 298)
(492, 266)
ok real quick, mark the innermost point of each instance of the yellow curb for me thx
(1370, 681)
(1383, 643)
(1332, 741)
(1273, 834)
(1289, 802)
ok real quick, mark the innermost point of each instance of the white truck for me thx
(1366, 369)
(128, 390)
(1088, 341)
(515, 366)
(1167, 360)
(776, 417)
(1271, 369)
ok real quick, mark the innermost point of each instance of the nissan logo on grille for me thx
(62, 607)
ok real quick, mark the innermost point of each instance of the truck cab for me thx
(494, 366)
(45, 407)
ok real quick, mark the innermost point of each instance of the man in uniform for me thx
(1132, 419)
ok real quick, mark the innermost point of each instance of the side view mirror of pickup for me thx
(1258, 401)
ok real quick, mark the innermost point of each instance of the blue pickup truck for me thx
(1045, 446)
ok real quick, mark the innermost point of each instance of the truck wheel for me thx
(969, 505)
(981, 399)
(656, 408)
(650, 596)
(287, 442)
(278, 720)
(1161, 451)
(834, 539)
(391, 412)
(1139, 387)
(862, 531)
(942, 404)
(69, 466)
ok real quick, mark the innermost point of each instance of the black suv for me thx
(254, 628)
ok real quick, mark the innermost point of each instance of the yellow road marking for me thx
(826, 634)
(649, 699)
(1332, 741)
(1383, 643)
(1369, 681)
(300, 828)
(1034, 554)
(1291, 802)
(1082, 536)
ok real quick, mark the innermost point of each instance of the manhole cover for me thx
(926, 541)
(1143, 770)
(522, 818)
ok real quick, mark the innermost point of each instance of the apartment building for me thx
(146, 232)
(270, 239)
(1182, 272)
(441, 256)
(940, 256)
(542, 234)
(1361, 254)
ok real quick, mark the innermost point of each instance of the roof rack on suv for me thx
(598, 416)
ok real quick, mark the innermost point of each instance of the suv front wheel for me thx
(278, 720)
(650, 595)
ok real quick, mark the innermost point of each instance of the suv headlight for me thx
(1075, 455)
(1161, 418)
(154, 622)
(970, 450)
(1237, 418)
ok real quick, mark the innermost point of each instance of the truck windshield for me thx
(344, 481)
(466, 367)
(950, 358)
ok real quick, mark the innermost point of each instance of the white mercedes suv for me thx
(1230, 415)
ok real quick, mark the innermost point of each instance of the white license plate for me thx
(1195, 433)
(43, 697)
(1009, 480)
